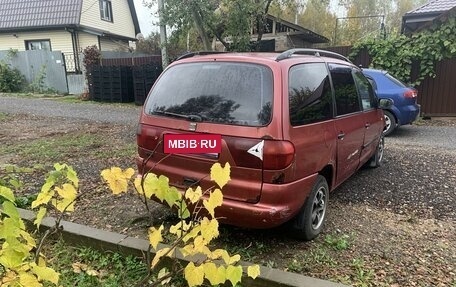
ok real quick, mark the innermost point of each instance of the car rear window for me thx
(219, 92)
(395, 81)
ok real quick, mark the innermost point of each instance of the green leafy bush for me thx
(397, 53)
(11, 79)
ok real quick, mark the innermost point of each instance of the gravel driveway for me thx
(95, 112)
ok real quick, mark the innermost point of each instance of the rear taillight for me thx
(139, 138)
(277, 154)
(411, 94)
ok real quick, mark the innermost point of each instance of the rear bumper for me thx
(409, 114)
(278, 204)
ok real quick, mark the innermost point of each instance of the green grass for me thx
(127, 150)
(56, 148)
(3, 117)
(338, 241)
(108, 269)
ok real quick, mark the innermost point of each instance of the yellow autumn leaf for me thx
(10, 258)
(234, 259)
(234, 274)
(201, 245)
(180, 228)
(7, 193)
(209, 229)
(194, 274)
(79, 267)
(193, 195)
(92, 272)
(162, 274)
(219, 174)
(192, 233)
(9, 279)
(72, 176)
(39, 216)
(215, 200)
(43, 198)
(68, 191)
(253, 271)
(220, 253)
(188, 250)
(29, 239)
(117, 179)
(160, 253)
(145, 184)
(155, 236)
(29, 280)
(65, 204)
(215, 275)
(45, 273)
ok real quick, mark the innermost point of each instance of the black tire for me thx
(377, 159)
(309, 222)
(390, 122)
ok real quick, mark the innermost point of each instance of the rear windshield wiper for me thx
(194, 118)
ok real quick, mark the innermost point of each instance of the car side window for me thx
(365, 91)
(309, 94)
(346, 95)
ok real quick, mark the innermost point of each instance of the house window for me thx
(38, 45)
(106, 10)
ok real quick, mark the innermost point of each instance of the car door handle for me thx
(367, 125)
(341, 136)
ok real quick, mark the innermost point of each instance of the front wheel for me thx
(308, 223)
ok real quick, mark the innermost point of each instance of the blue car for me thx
(405, 109)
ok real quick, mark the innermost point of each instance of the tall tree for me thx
(318, 17)
(230, 21)
(150, 45)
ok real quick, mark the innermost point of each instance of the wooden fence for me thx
(437, 96)
(131, 61)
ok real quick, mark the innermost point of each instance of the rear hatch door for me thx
(232, 99)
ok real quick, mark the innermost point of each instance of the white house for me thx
(68, 26)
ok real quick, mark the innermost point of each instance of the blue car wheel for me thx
(390, 123)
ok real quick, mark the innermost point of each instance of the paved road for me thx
(428, 136)
(107, 113)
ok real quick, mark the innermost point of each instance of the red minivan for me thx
(310, 116)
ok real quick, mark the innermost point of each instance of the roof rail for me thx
(198, 53)
(316, 52)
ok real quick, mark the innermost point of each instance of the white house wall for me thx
(86, 39)
(108, 44)
(60, 40)
(122, 22)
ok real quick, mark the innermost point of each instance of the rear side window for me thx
(309, 94)
(347, 100)
(365, 91)
(219, 92)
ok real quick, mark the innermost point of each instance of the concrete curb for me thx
(106, 240)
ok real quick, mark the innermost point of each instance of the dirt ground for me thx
(392, 226)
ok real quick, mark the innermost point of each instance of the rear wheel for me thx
(309, 222)
(390, 123)
(377, 159)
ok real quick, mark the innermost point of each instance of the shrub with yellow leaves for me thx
(20, 266)
(193, 233)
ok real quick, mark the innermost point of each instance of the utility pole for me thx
(163, 40)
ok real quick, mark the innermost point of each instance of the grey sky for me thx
(146, 17)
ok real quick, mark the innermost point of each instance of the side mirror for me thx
(385, 103)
